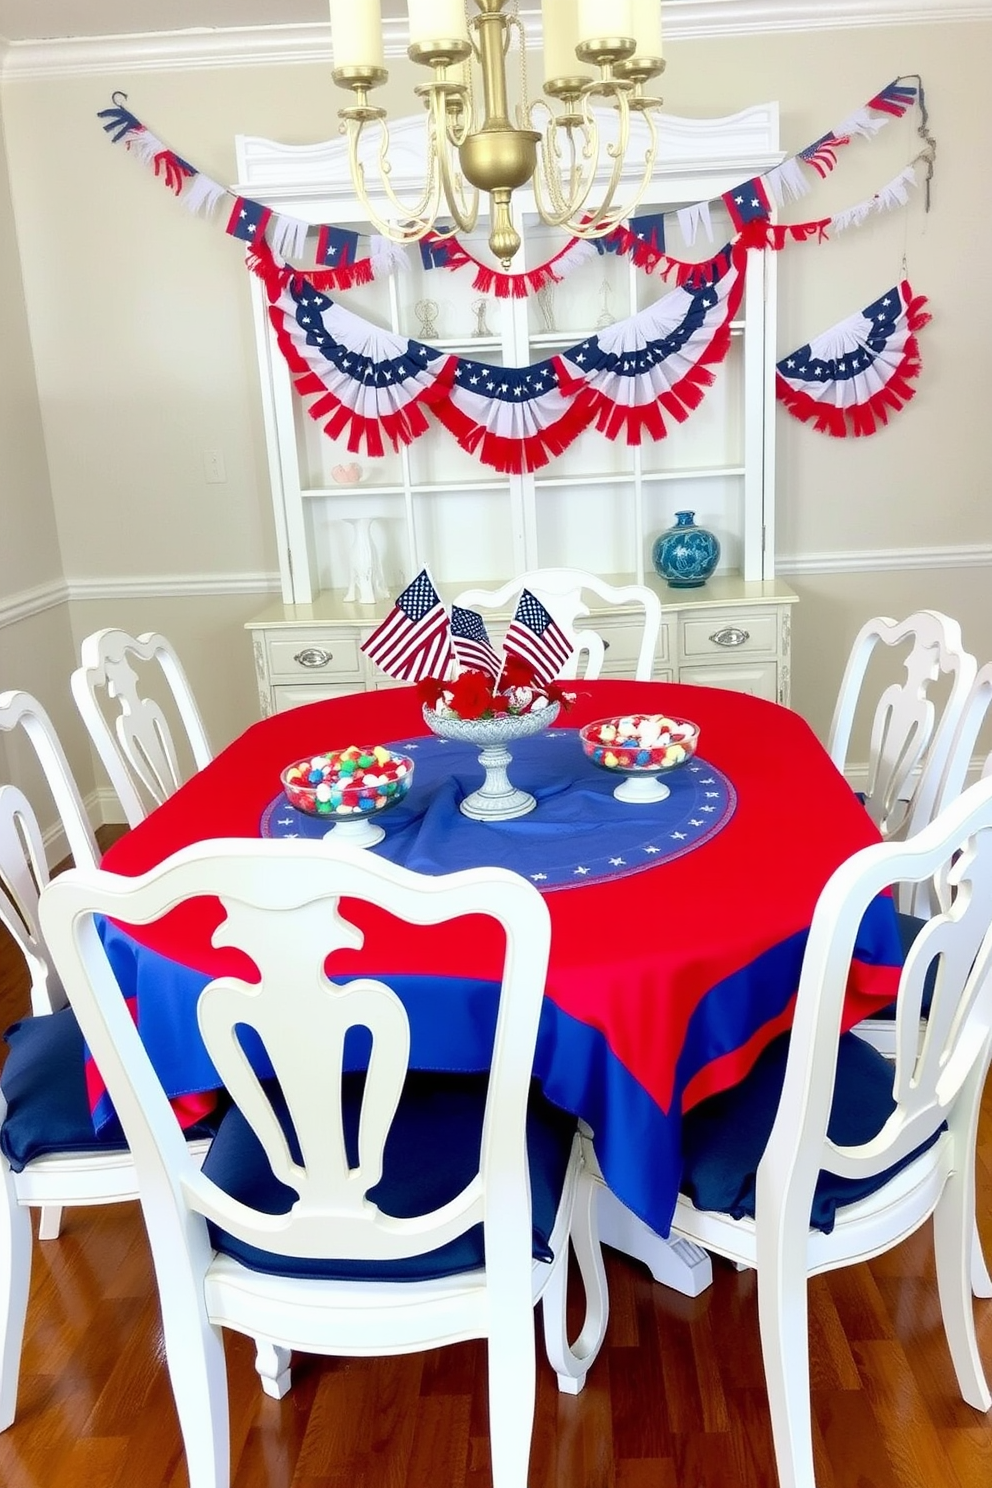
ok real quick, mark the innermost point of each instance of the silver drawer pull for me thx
(730, 636)
(313, 657)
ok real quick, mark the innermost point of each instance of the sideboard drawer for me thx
(759, 678)
(746, 633)
(303, 656)
(623, 643)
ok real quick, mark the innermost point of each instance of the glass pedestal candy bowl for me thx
(349, 787)
(641, 747)
(496, 799)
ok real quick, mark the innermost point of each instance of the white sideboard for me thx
(729, 633)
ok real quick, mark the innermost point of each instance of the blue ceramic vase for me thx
(685, 555)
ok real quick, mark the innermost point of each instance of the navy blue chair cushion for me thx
(44, 1085)
(432, 1152)
(909, 929)
(723, 1138)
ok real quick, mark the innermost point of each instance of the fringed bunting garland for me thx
(364, 382)
(338, 264)
(895, 194)
(622, 381)
(250, 221)
(368, 386)
(849, 379)
(749, 206)
(658, 361)
(446, 252)
(511, 418)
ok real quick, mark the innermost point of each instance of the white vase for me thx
(366, 583)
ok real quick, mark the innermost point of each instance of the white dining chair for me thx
(922, 899)
(826, 1154)
(910, 733)
(880, 1029)
(50, 1155)
(23, 714)
(561, 591)
(343, 1213)
(129, 729)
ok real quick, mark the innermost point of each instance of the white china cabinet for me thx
(598, 506)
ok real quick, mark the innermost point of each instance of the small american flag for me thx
(414, 640)
(473, 648)
(822, 153)
(535, 637)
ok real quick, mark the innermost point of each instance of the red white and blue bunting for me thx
(851, 378)
(339, 264)
(368, 386)
(365, 384)
(750, 206)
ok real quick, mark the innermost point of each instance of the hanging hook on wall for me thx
(929, 152)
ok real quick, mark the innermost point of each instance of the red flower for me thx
(557, 694)
(429, 691)
(471, 695)
(518, 673)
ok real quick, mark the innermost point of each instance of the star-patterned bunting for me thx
(849, 379)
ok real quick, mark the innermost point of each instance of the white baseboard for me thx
(102, 809)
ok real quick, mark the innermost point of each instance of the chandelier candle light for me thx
(593, 49)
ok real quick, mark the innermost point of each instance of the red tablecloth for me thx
(684, 973)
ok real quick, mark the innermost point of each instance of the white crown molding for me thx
(266, 46)
(884, 560)
(30, 602)
(171, 51)
(708, 18)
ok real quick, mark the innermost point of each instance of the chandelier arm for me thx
(549, 176)
(463, 209)
(554, 203)
(411, 222)
(604, 219)
(616, 152)
(568, 203)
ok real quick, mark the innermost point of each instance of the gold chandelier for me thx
(593, 50)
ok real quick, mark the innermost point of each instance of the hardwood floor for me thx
(676, 1400)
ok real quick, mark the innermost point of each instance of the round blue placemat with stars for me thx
(577, 833)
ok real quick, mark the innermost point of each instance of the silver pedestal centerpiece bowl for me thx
(497, 799)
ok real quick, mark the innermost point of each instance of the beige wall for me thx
(35, 653)
(29, 552)
(143, 345)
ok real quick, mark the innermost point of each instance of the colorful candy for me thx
(344, 782)
(640, 742)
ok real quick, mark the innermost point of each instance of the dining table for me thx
(678, 926)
